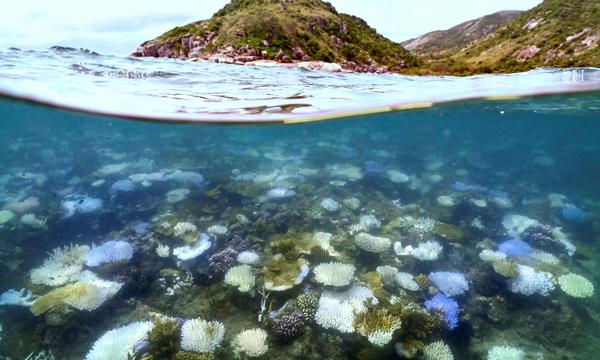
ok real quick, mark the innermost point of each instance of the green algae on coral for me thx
(449, 231)
(164, 339)
(506, 268)
(56, 298)
(375, 282)
(190, 355)
(375, 319)
(417, 323)
(281, 274)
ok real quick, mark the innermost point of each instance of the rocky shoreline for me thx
(193, 48)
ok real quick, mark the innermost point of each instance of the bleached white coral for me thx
(437, 351)
(241, 277)
(428, 250)
(352, 203)
(201, 336)
(112, 251)
(97, 292)
(370, 243)
(420, 227)
(383, 331)
(356, 296)
(491, 255)
(329, 204)
(576, 285)
(250, 343)
(406, 281)
(163, 251)
(381, 337)
(217, 229)
(562, 238)
(544, 257)
(450, 283)
(198, 248)
(336, 309)
(400, 250)
(397, 176)
(356, 228)
(63, 266)
(446, 200)
(33, 221)
(248, 257)
(186, 230)
(181, 228)
(556, 200)
(388, 273)
(334, 273)
(516, 224)
(505, 353)
(333, 313)
(529, 281)
(323, 240)
(177, 195)
(117, 344)
(17, 298)
(366, 223)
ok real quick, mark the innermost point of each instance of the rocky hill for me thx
(558, 33)
(286, 31)
(443, 42)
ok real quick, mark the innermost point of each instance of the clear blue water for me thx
(454, 174)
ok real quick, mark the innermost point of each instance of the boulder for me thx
(150, 50)
(164, 50)
(298, 53)
(331, 67)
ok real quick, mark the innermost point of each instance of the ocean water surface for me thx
(463, 227)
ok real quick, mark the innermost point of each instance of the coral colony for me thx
(255, 250)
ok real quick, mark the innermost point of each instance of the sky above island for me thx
(119, 26)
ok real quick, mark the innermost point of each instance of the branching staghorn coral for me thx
(241, 277)
(250, 343)
(201, 336)
(164, 338)
(63, 266)
(378, 325)
(438, 351)
(187, 231)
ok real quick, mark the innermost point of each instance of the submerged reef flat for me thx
(465, 232)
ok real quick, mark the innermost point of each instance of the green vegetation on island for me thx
(247, 30)
(556, 33)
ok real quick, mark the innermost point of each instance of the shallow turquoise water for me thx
(452, 174)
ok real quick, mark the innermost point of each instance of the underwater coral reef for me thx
(418, 236)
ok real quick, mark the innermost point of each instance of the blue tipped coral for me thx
(573, 213)
(447, 307)
(515, 248)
